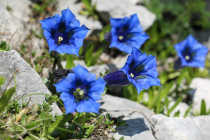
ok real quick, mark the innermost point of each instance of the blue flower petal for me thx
(116, 22)
(68, 49)
(83, 74)
(89, 105)
(50, 22)
(68, 17)
(69, 102)
(135, 24)
(146, 83)
(66, 84)
(80, 32)
(96, 89)
(53, 45)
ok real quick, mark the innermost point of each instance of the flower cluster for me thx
(140, 70)
(80, 90)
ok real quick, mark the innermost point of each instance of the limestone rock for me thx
(96, 69)
(76, 8)
(12, 18)
(166, 128)
(202, 91)
(29, 86)
(122, 8)
(135, 115)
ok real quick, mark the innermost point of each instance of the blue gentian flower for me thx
(191, 53)
(139, 70)
(127, 33)
(64, 33)
(80, 91)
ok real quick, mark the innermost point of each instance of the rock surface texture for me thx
(202, 91)
(96, 69)
(166, 128)
(76, 7)
(142, 124)
(29, 86)
(13, 16)
(122, 8)
(135, 116)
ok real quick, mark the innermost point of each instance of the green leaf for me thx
(88, 55)
(89, 130)
(177, 114)
(55, 124)
(4, 100)
(163, 92)
(203, 108)
(187, 111)
(87, 4)
(70, 62)
(175, 105)
(2, 80)
(91, 57)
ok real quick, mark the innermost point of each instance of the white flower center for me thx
(132, 75)
(80, 92)
(120, 37)
(187, 57)
(60, 39)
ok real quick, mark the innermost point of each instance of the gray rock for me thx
(19, 9)
(114, 63)
(122, 8)
(166, 128)
(29, 86)
(120, 61)
(96, 69)
(12, 18)
(135, 115)
(202, 91)
(135, 1)
(76, 8)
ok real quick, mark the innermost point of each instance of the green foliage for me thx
(203, 110)
(89, 9)
(4, 46)
(92, 55)
(2, 80)
(42, 7)
(23, 122)
(70, 61)
(5, 98)
(175, 20)
(175, 86)
(190, 16)
(20, 121)
(36, 122)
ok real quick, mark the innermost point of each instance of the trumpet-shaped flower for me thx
(64, 33)
(127, 33)
(191, 53)
(139, 70)
(80, 91)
